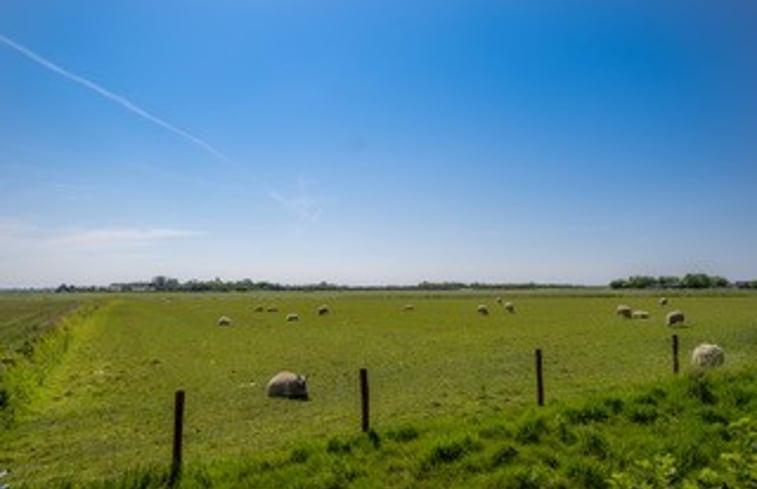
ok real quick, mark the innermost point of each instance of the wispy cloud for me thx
(302, 205)
(14, 228)
(305, 208)
(117, 237)
(20, 235)
(36, 255)
(113, 97)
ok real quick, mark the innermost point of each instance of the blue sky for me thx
(376, 142)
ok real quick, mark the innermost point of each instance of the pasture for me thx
(107, 405)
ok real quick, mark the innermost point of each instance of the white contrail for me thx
(123, 102)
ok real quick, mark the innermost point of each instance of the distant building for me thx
(131, 287)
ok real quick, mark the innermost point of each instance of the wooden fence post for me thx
(178, 427)
(365, 398)
(675, 353)
(539, 379)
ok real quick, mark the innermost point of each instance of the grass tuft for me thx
(642, 414)
(299, 455)
(588, 414)
(403, 434)
(337, 446)
(451, 451)
(531, 429)
(503, 455)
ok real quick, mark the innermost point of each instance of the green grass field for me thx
(106, 406)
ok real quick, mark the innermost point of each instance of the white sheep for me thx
(707, 355)
(289, 385)
(674, 317)
(623, 310)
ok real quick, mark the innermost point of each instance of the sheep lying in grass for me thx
(663, 301)
(408, 307)
(673, 318)
(288, 385)
(224, 321)
(640, 315)
(323, 310)
(509, 307)
(259, 309)
(498, 300)
(623, 310)
(483, 310)
(707, 355)
(272, 309)
(293, 317)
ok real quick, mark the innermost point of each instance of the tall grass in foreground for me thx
(690, 432)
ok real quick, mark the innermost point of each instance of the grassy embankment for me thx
(34, 333)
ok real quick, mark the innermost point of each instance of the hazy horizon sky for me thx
(376, 142)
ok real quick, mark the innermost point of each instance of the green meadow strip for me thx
(25, 370)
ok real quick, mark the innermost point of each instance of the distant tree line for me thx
(425, 285)
(167, 284)
(688, 281)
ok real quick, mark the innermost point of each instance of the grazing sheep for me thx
(293, 317)
(259, 309)
(408, 307)
(224, 321)
(288, 385)
(509, 307)
(273, 309)
(483, 310)
(663, 301)
(498, 300)
(707, 355)
(640, 315)
(623, 310)
(323, 310)
(674, 317)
